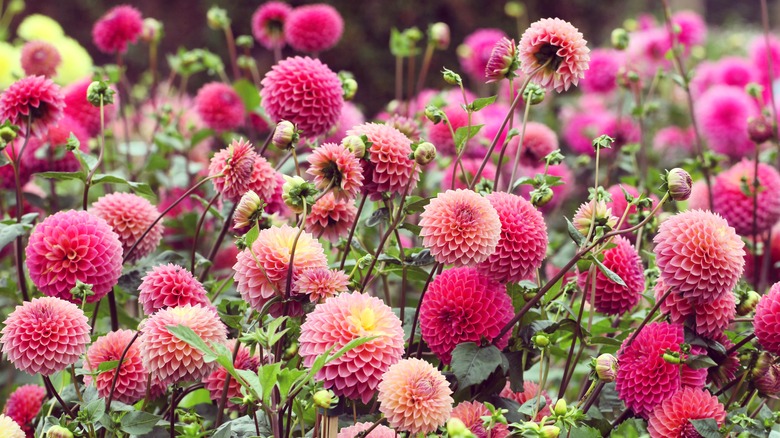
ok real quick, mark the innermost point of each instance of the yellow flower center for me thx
(363, 319)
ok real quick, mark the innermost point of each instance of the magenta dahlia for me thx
(612, 298)
(389, 167)
(220, 107)
(722, 113)
(313, 28)
(672, 418)
(737, 207)
(129, 216)
(268, 24)
(23, 406)
(34, 103)
(131, 382)
(766, 321)
(120, 26)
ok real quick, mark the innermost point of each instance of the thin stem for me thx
(112, 310)
(19, 253)
(53, 390)
(426, 64)
(201, 220)
(503, 147)
(519, 144)
(756, 255)
(740, 344)
(352, 232)
(174, 402)
(88, 181)
(118, 369)
(218, 242)
(569, 358)
(231, 43)
(593, 397)
(419, 304)
(225, 387)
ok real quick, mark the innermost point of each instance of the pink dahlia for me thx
(305, 92)
(235, 164)
(320, 284)
(34, 103)
(336, 167)
(380, 431)
(583, 127)
(54, 157)
(766, 321)
(692, 28)
(129, 216)
(261, 274)
(45, 335)
(313, 28)
(170, 286)
(672, 418)
(475, 52)
(415, 397)
(338, 321)
(168, 358)
(331, 218)
(644, 378)
(275, 204)
(264, 180)
(220, 107)
(268, 24)
(116, 29)
(722, 113)
(40, 58)
(539, 140)
(737, 207)
(215, 382)
(407, 125)
(699, 199)
(72, 246)
(471, 167)
(529, 392)
(758, 51)
(603, 73)
(699, 255)
(441, 136)
(77, 106)
(471, 413)
(463, 305)
(10, 428)
(23, 406)
(460, 227)
(350, 116)
(735, 72)
(708, 319)
(502, 62)
(523, 242)
(389, 167)
(613, 298)
(558, 49)
(131, 383)
(674, 140)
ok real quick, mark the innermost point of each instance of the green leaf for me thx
(222, 432)
(87, 160)
(187, 335)
(575, 235)
(463, 134)
(698, 361)
(94, 410)
(253, 381)
(415, 204)
(611, 275)
(286, 379)
(267, 374)
(248, 94)
(64, 176)
(252, 235)
(412, 228)
(10, 232)
(107, 366)
(138, 422)
(707, 428)
(482, 102)
(472, 364)
(142, 189)
(381, 215)
(631, 428)
(584, 432)
(515, 359)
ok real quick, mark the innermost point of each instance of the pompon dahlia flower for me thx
(709, 318)
(120, 26)
(45, 335)
(529, 392)
(313, 28)
(264, 179)
(415, 397)
(261, 274)
(331, 218)
(471, 413)
(336, 167)
(645, 379)
(129, 215)
(10, 428)
(460, 227)
(77, 106)
(766, 321)
(40, 58)
(55, 158)
(502, 62)
(220, 107)
(610, 297)
(72, 246)
(539, 141)
(170, 286)
(722, 112)
(380, 431)
(463, 305)
(389, 167)
(555, 53)
(699, 255)
(168, 358)
(475, 52)
(603, 72)
(320, 284)
(672, 418)
(215, 382)
(338, 321)
(268, 24)
(236, 164)
(758, 51)
(593, 211)
(737, 207)
(23, 406)
(33, 99)
(131, 382)
(304, 91)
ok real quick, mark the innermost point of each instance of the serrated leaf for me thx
(139, 422)
(187, 335)
(472, 364)
(699, 361)
(482, 102)
(463, 134)
(575, 235)
(707, 428)
(248, 94)
(10, 232)
(611, 275)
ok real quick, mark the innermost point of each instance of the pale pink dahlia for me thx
(305, 92)
(463, 305)
(415, 397)
(502, 62)
(40, 58)
(23, 406)
(558, 48)
(766, 321)
(475, 51)
(168, 358)
(10, 428)
(34, 103)
(313, 28)
(320, 284)
(529, 392)
(215, 382)
(220, 107)
(131, 383)
(116, 29)
(341, 319)
(644, 378)
(235, 164)
(389, 167)
(336, 167)
(722, 113)
(460, 227)
(699, 255)
(471, 413)
(170, 286)
(129, 216)
(380, 431)
(613, 298)
(708, 319)
(72, 246)
(331, 218)
(45, 335)
(261, 273)
(88, 115)
(737, 207)
(672, 418)
(268, 24)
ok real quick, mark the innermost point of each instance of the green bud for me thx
(152, 31)
(451, 77)
(290, 351)
(553, 158)
(349, 86)
(434, 114)
(245, 62)
(425, 153)
(606, 367)
(672, 357)
(534, 93)
(456, 428)
(16, 6)
(514, 9)
(217, 18)
(245, 41)
(7, 134)
(748, 303)
(619, 38)
(541, 196)
(560, 407)
(98, 90)
(81, 290)
(439, 35)
(355, 144)
(603, 142)
(324, 398)
(58, 432)
(754, 90)
(550, 432)
(296, 191)
(541, 340)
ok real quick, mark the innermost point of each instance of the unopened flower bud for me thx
(245, 41)
(7, 134)
(606, 367)
(296, 191)
(554, 158)
(349, 87)
(323, 398)
(560, 407)
(541, 196)
(439, 34)
(217, 18)
(456, 428)
(533, 92)
(514, 9)
(16, 6)
(619, 38)
(603, 142)
(591, 211)
(82, 290)
(754, 90)
(355, 144)
(285, 135)
(248, 211)
(550, 432)
(766, 375)
(58, 432)
(434, 114)
(759, 129)
(451, 77)
(425, 153)
(151, 32)
(541, 340)
(679, 184)
(748, 303)
(290, 351)
(672, 357)
(99, 93)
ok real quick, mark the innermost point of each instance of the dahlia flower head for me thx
(475, 52)
(263, 180)
(388, 167)
(699, 255)
(463, 305)
(215, 382)
(757, 52)
(722, 113)
(313, 28)
(582, 127)
(169, 359)
(471, 413)
(10, 428)
(23, 406)
(460, 227)
(131, 382)
(336, 167)
(220, 107)
(612, 298)
(33, 99)
(340, 320)
(305, 92)
(529, 392)
(129, 215)
(261, 271)
(674, 139)
(415, 397)
(236, 165)
(558, 48)
(708, 319)
(407, 125)
(45, 335)
(732, 71)
(737, 208)
(441, 136)
(170, 286)
(268, 24)
(502, 62)
(597, 211)
(350, 116)
(40, 58)
(120, 26)
(380, 431)
(320, 284)
(766, 321)
(672, 418)
(539, 140)
(88, 115)
(644, 378)
(603, 72)
(522, 245)
(331, 218)
(693, 29)
(647, 50)
(71, 246)
(471, 166)
(55, 158)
